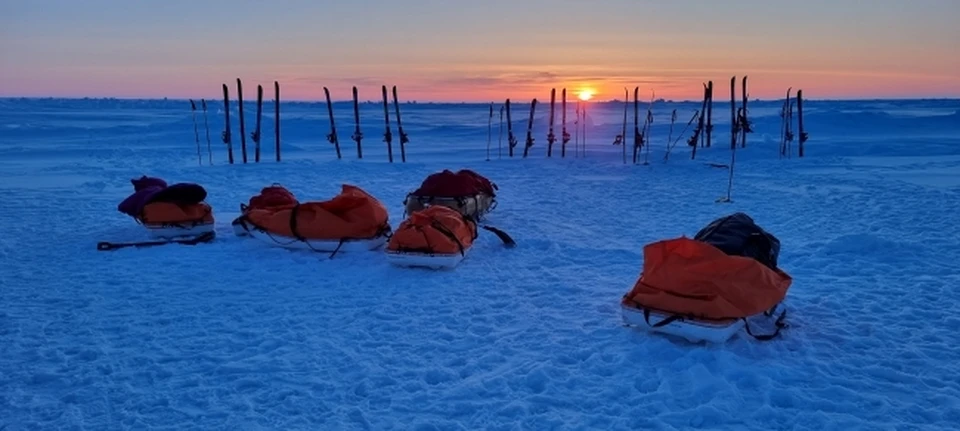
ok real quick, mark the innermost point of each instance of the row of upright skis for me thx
(332, 137)
(701, 134)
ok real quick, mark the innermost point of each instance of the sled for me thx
(353, 220)
(707, 288)
(171, 211)
(690, 328)
(436, 237)
(438, 261)
(246, 229)
(166, 230)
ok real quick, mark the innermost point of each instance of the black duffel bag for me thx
(738, 235)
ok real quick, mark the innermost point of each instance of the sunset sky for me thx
(458, 50)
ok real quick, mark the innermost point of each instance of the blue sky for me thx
(459, 50)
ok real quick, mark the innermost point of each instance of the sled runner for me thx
(710, 287)
(353, 220)
(437, 237)
(465, 191)
(696, 329)
(171, 211)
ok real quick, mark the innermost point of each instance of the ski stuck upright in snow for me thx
(803, 135)
(196, 131)
(511, 139)
(500, 135)
(206, 128)
(622, 137)
(551, 138)
(745, 126)
(226, 124)
(357, 135)
(565, 136)
(404, 139)
(734, 124)
(708, 108)
(243, 136)
(332, 136)
(637, 135)
(387, 134)
(533, 109)
(647, 125)
(276, 117)
(255, 135)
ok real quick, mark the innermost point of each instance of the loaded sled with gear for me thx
(709, 288)
(175, 214)
(178, 210)
(353, 220)
(436, 237)
(464, 191)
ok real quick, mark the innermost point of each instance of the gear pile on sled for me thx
(710, 287)
(465, 191)
(436, 234)
(353, 220)
(168, 211)
(436, 237)
(175, 214)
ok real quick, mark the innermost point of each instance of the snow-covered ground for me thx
(238, 335)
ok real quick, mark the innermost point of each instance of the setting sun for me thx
(585, 95)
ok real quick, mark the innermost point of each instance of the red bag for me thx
(449, 184)
(272, 196)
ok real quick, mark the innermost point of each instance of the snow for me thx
(236, 334)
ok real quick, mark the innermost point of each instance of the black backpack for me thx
(738, 235)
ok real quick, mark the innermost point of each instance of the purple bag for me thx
(150, 189)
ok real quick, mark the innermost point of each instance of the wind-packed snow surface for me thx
(237, 334)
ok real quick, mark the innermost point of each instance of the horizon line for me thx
(464, 102)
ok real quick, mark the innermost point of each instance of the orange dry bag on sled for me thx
(175, 213)
(168, 219)
(706, 288)
(168, 211)
(436, 237)
(351, 220)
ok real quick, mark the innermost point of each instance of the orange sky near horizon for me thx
(435, 50)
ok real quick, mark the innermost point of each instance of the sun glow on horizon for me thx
(585, 94)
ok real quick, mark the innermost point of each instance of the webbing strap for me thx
(293, 223)
(664, 322)
(446, 232)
